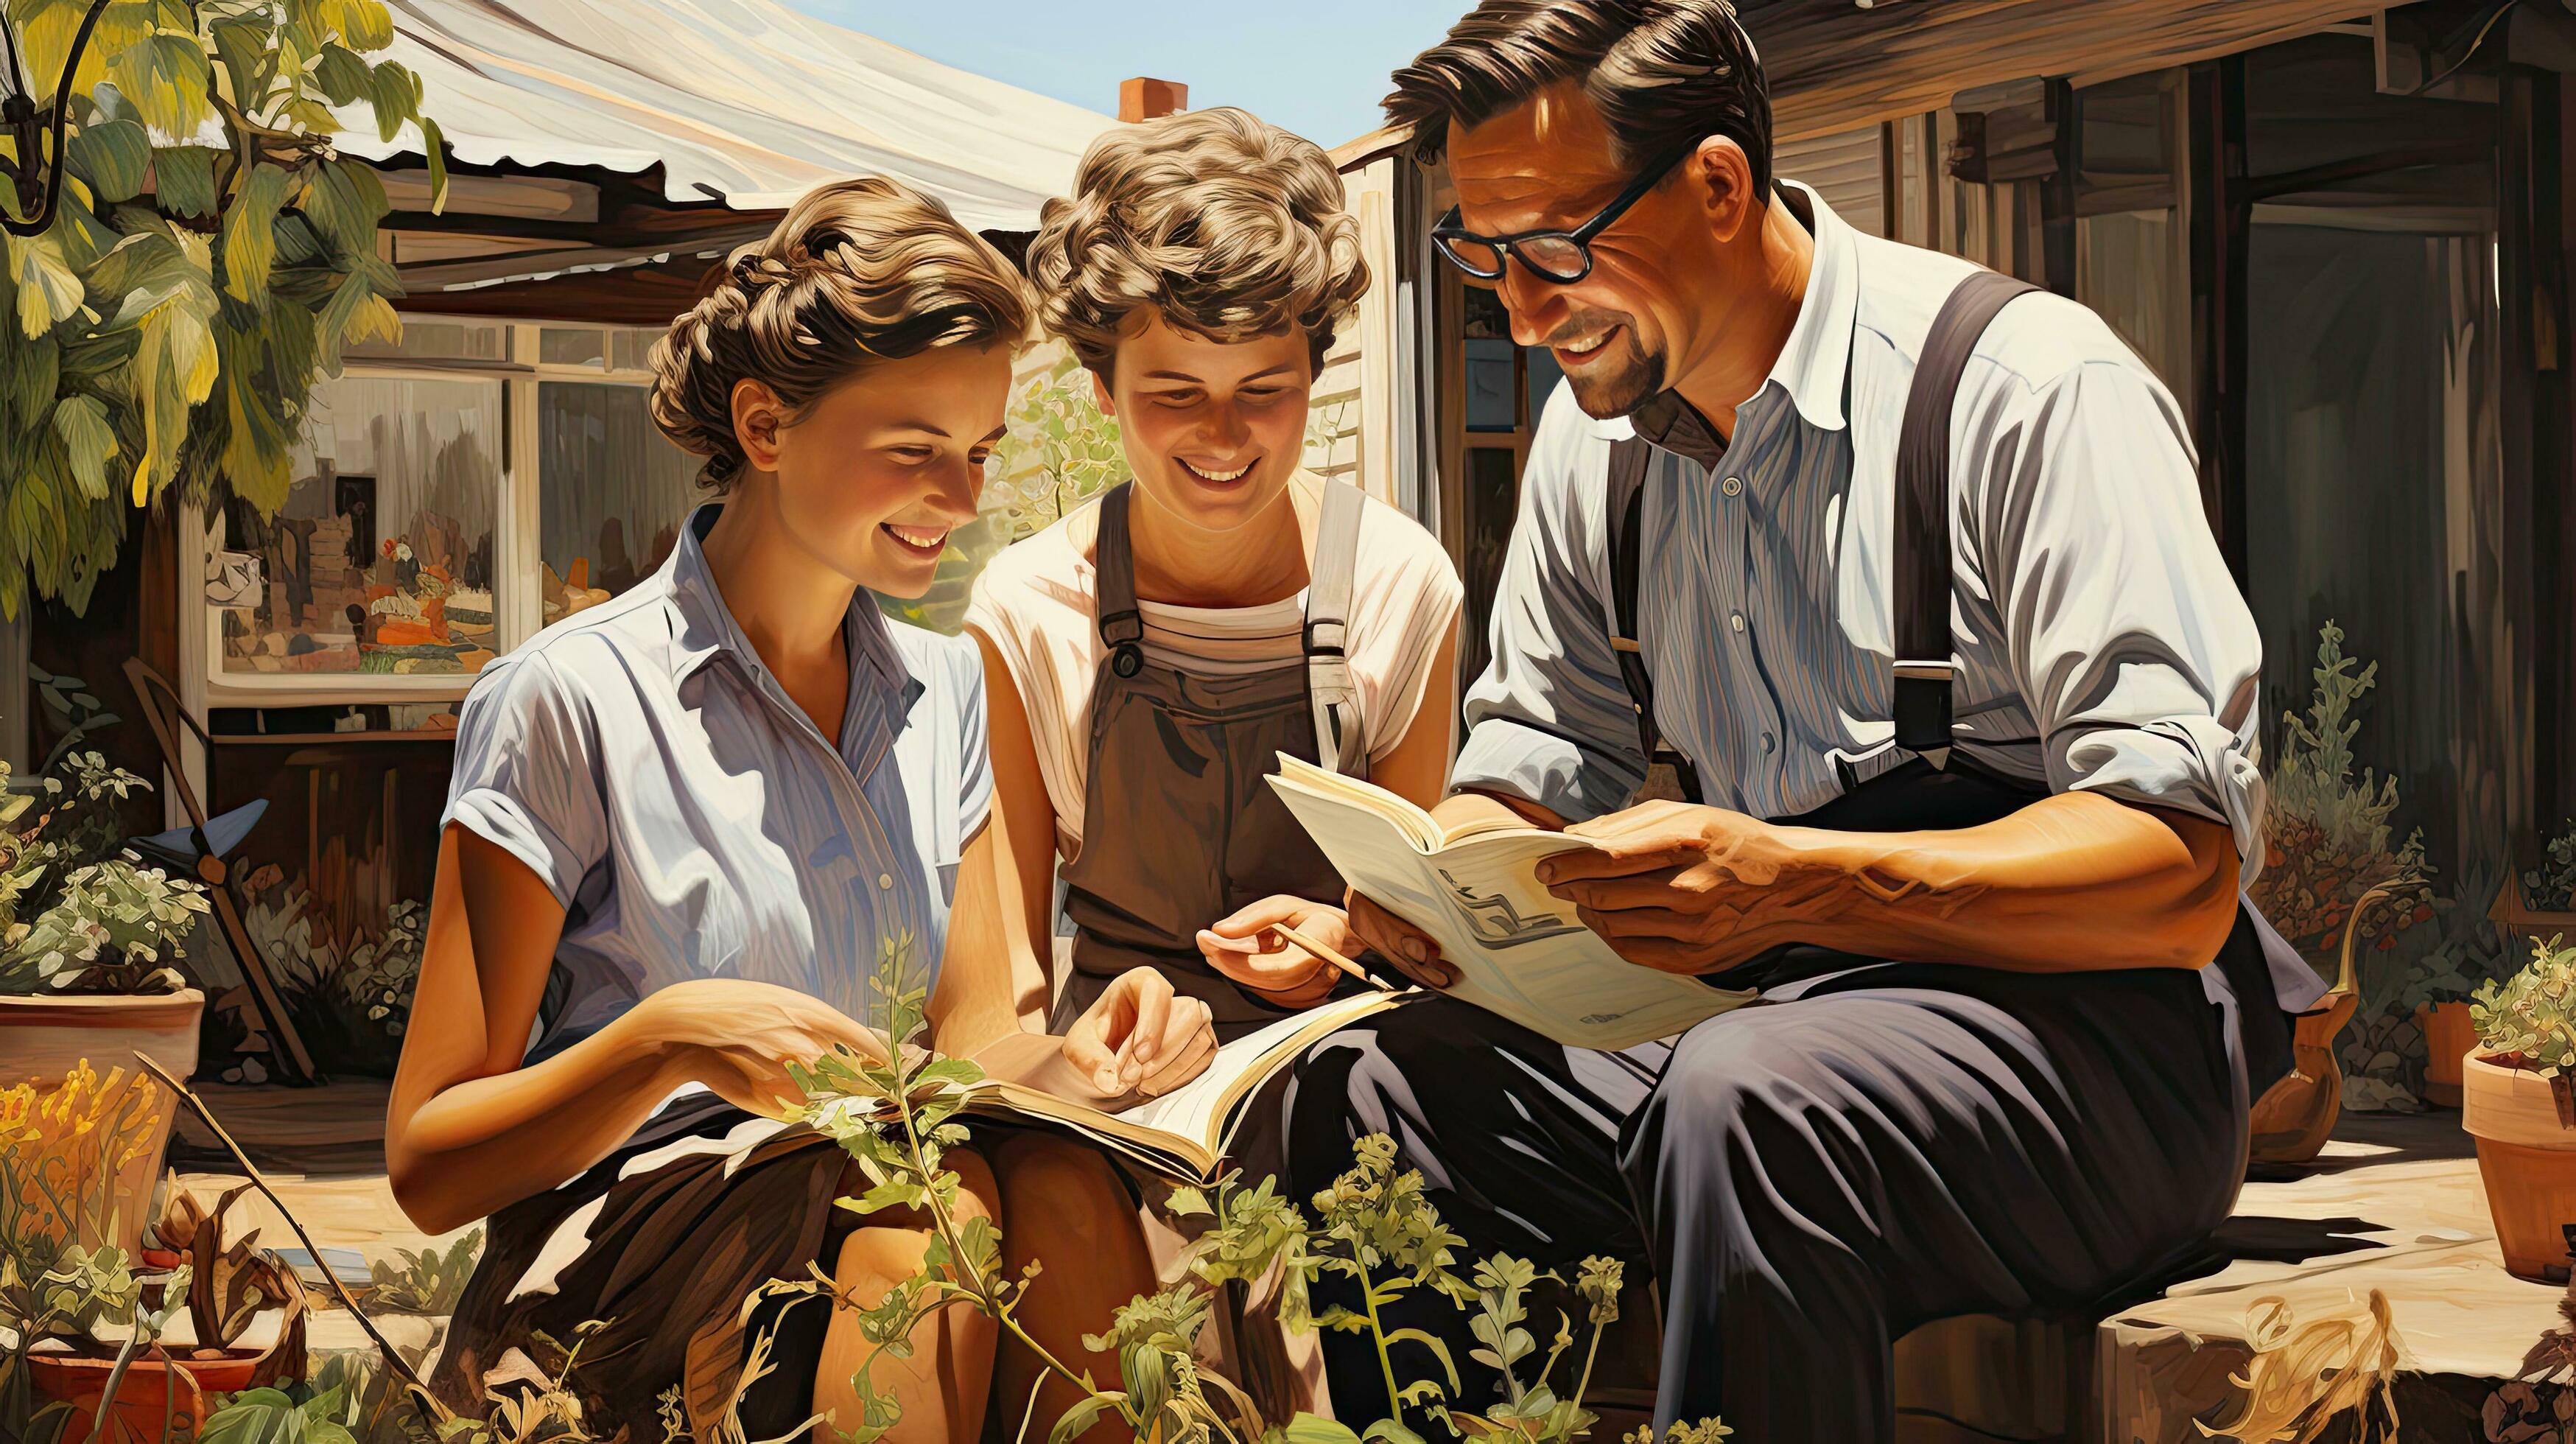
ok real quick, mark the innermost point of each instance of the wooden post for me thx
(2221, 219)
(2533, 422)
(2057, 220)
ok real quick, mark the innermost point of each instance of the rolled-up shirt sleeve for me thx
(1549, 722)
(2136, 652)
(526, 776)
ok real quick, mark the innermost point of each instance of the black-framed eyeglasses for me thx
(1563, 257)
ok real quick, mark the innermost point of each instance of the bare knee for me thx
(1060, 1177)
(888, 1244)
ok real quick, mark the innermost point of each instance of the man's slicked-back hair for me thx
(1664, 74)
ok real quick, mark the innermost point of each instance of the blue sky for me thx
(1318, 67)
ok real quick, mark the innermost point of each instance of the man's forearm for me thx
(2071, 883)
(1469, 805)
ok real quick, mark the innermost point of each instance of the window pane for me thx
(1544, 373)
(1493, 399)
(611, 492)
(381, 561)
(427, 340)
(563, 346)
(631, 348)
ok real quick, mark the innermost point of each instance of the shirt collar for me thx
(1813, 365)
(706, 627)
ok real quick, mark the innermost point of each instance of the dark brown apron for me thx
(1179, 826)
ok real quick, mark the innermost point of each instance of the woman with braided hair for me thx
(689, 827)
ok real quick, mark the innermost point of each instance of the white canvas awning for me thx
(742, 101)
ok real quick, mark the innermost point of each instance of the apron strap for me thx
(1668, 773)
(1330, 691)
(1925, 660)
(1113, 564)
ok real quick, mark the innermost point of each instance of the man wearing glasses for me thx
(1947, 713)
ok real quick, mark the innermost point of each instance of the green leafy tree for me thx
(210, 252)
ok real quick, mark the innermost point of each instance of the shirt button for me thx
(885, 881)
(1736, 621)
(1732, 486)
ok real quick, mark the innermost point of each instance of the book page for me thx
(1511, 937)
(1408, 820)
(1195, 1109)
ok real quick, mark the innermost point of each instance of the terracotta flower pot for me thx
(150, 1392)
(43, 1038)
(2525, 1126)
(2449, 1034)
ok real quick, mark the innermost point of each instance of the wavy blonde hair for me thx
(860, 271)
(1223, 223)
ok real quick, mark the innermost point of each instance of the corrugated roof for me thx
(739, 100)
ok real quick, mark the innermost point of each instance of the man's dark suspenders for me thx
(1669, 775)
(1924, 660)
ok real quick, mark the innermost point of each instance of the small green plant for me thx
(2551, 887)
(2327, 834)
(92, 923)
(2529, 1020)
(1374, 1226)
(428, 1282)
(350, 999)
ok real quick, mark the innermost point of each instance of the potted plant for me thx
(2546, 901)
(91, 1323)
(2330, 857)
(2437, 996)
(87, 936)
(2518, 1099)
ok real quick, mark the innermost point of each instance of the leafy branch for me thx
(169, 325)
(897, 1117)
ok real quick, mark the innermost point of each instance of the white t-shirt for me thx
(1037, 602)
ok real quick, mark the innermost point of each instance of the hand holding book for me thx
(1516, 948)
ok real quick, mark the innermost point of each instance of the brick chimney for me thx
(1145, 98)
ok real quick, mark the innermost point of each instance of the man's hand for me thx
(1679, 888)
(1409, 948)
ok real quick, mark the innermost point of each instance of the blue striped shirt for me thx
(693, 821)
(2101, 641)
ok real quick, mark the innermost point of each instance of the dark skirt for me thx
(659, 1245)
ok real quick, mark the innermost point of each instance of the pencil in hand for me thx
(1332, 957)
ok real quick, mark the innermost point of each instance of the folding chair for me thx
(203, 849)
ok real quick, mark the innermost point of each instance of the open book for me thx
(1520, 950)
(1185, 1133)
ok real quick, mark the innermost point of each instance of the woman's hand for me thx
(1245, 947)
(737, 1037)
(1141, 1037)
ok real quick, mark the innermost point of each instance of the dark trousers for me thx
(1872, 1147)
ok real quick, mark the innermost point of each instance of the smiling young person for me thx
(1148, 655)
(1860, 607)
(686, 830)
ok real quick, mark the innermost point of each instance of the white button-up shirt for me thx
(694, 823)
(2100, 640)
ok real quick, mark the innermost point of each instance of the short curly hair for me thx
(1223, 223)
